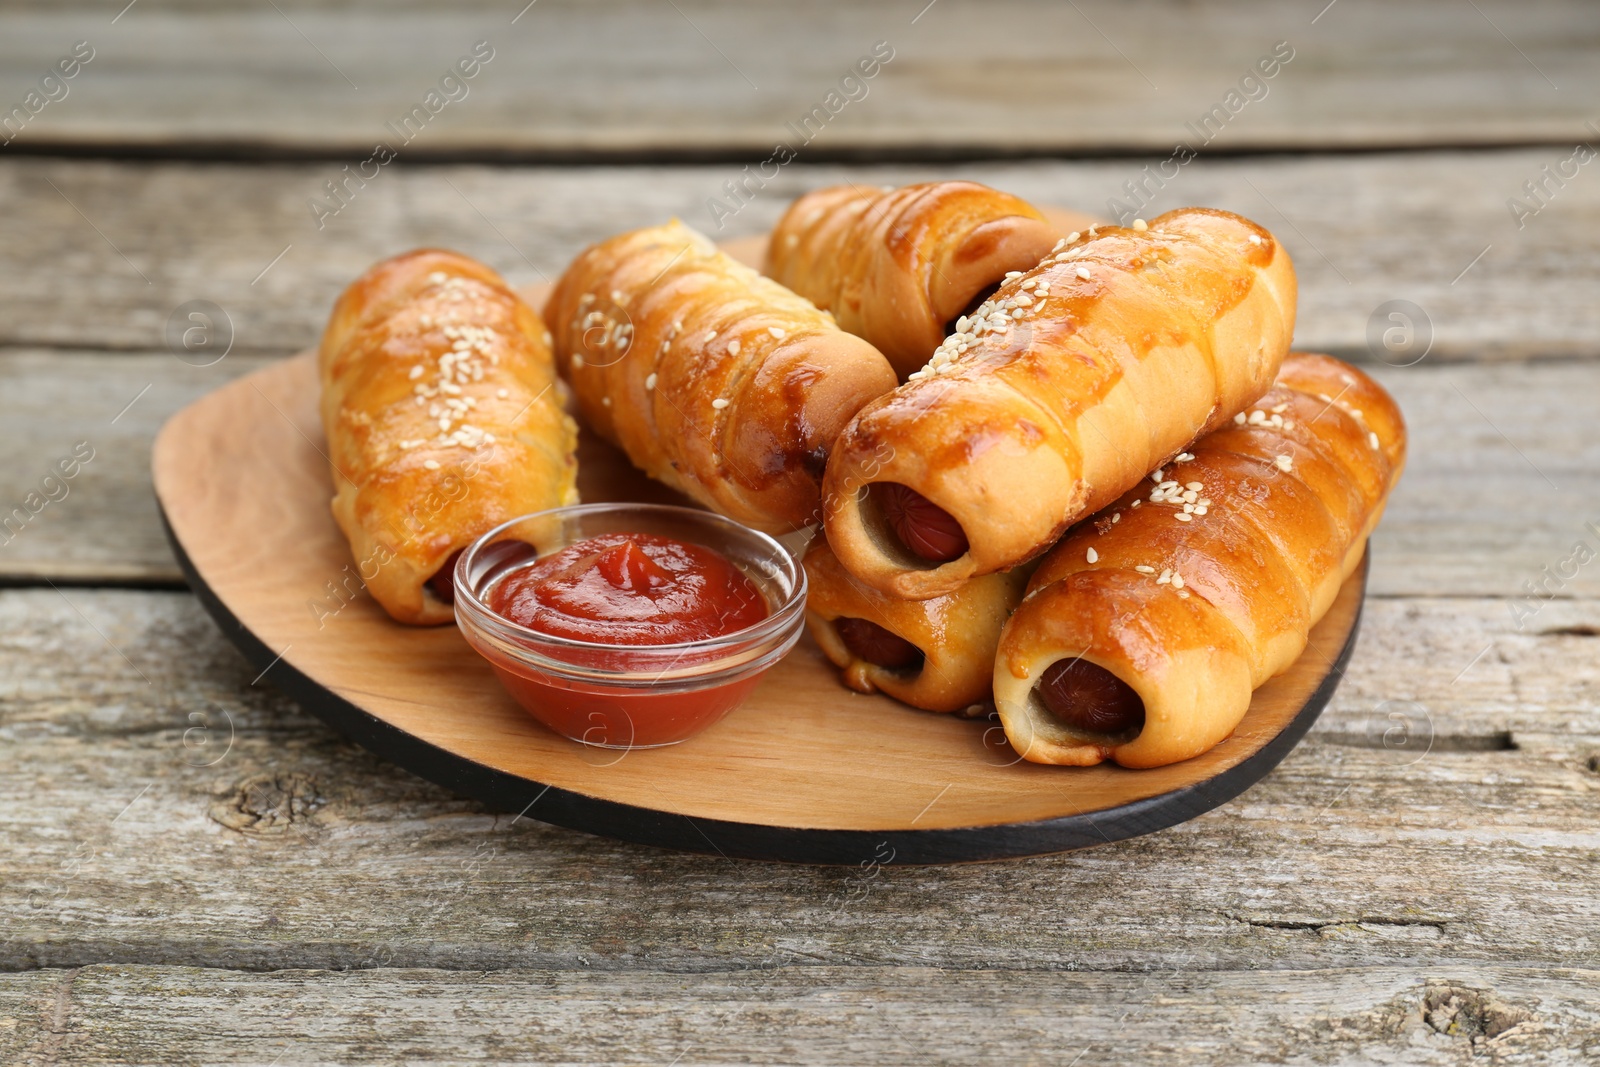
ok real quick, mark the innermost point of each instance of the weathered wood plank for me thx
(1473, 516)
(800, 1015)
(98, 415)
(193, 818)
(713, 76)
(1363, 230)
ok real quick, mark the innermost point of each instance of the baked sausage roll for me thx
(936, 654)
(442, 422)
(1146, 629)
(719, 382)
(1061, 391)
(897, 266)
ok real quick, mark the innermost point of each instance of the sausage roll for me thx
(936, 654)
(1061, 391)
(719, 382)
(897, 266)
(442, 422)
(1146, 629)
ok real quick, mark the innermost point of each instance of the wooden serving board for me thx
(806, 770)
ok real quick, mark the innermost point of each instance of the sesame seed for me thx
(1185, 457)
(1136, 503)
(1372, 439)
(1177, 581)
(502, 393)
(711, 335)
(1285, 462)
(618, 296)
(1184, 593)
(1073, 236)
(1142, 569)
(1182, 517)
(416, 372)
(719, 403)
(1239, 418)
(1255, 239)
(431, 464)
(1093, 556)
(1155, 475)
(1166, 577)
(1140, 225)
(733, 347)
(1196, 486)
(437, 277)
(1083, 272)
(650, 382)
(777, 332)
(1116, 517)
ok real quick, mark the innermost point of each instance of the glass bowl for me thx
(627, 696)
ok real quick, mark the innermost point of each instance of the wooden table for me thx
(194, 870)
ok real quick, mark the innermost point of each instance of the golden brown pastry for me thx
(896, 266)
(442, 422)
(936, 654)
(1073, 380)
(719, 382)
(1146, 629)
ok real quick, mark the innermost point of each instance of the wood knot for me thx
(1460, 1011)
(268, 804)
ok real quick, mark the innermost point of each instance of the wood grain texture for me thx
(102, 525)
(1473, 515)
(712, 76)
(162, 809)
(790, 1014)
(1363, 230)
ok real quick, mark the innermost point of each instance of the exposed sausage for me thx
(1086, 696)
(876, 645)
(442, 584)
(922, 526)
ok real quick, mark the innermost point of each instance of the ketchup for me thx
(631, 589)
(617, 591)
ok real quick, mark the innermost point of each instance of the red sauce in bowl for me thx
(631, 589)
(618, 592)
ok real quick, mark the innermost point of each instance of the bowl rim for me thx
(788, 614)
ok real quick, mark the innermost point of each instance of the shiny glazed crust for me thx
(1289, 491)
(957, 633)
(1042, 409)
(441, 419)
(895, 265)
(714, 380)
